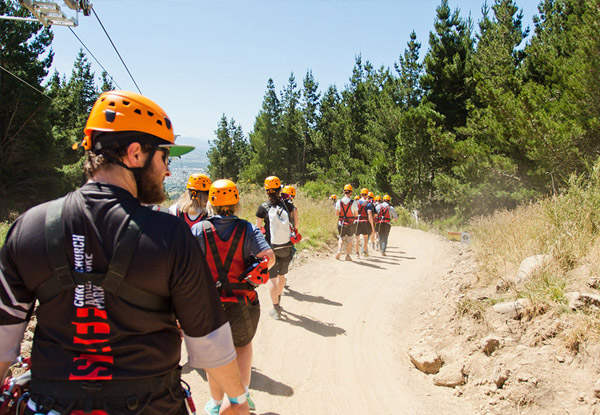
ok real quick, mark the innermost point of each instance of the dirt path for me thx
(342, 345)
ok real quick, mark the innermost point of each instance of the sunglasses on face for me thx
(165, 156)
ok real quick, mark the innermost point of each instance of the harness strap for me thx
(344, 209)
(383, 214)
(113, 281)
(223, 267)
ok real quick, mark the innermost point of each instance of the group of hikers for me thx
(366, 215)
(241, 256)
(116, 284)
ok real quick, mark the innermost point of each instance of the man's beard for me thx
(149, 186)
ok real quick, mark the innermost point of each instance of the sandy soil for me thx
(341, 347)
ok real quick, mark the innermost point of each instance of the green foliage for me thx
(228, 152)
(26, 146)
(447, 66)
(4, 227)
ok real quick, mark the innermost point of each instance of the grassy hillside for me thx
(564, 226)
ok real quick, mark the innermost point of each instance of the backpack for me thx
(279, 224)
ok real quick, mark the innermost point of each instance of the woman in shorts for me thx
(231, 246)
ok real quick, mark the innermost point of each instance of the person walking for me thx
(376, 202)
(191, 205)
(385, 213)
(231, 245)
(112, 277)
(364, 222)
(346, 210)
(275, 216)
(288, 194)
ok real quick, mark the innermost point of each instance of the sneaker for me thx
(365, 253)
(338, 255)
(383, 253)
(250, 402)
(357, 254)
(211, 408)
(276, 312)
(348, 258)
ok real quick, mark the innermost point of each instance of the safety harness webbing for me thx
(113, 281)
(346, 215)
(223, 283)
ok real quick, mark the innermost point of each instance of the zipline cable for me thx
(115, 48)
(92, 55)
(31, 86)
(26, 83)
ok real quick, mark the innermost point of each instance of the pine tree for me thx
(289, 146)
(309, 107)
(264, 138)
(410, 71)
(446, 66)
(489, 167)
(561, 135)
(228, 152)
(26, 146)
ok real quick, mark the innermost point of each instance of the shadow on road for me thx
(263, 383)
(367, 264)
(296, 295)
(317, 327)
(188, 369)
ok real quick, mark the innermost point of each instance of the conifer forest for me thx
(481, 115)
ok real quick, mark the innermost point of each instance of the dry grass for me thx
(583, 329)
(566, 227)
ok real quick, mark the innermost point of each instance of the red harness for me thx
(346, 216)
(362, 211)
(227, 273)
(384, 214)
(188, 220)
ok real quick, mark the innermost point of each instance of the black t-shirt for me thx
(86, 333)
(263, 213)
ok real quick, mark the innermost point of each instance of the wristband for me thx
(238, 400)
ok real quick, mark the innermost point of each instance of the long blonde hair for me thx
(229, 210)
(193, 202)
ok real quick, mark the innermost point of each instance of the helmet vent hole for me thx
(159, 122)
(109, 115)
(168, 123)
(150, 113)
(112, 103)
(126, 103)
(137, 111)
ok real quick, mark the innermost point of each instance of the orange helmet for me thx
(387, 198)
(198, 181)
(333, 197)
(289, 190)
(364, 191)
(348, 188)
(378, 198)
(272, 183)
(371, 195)
(120, 111)
(356, 197)
(223, 192)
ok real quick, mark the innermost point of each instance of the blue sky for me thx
(199, 59)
